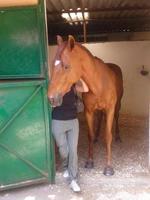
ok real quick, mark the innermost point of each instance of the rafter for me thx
(127, 8)
(113, 20)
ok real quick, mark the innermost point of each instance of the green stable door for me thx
(26, 148)
(22, 42)
(26, 145)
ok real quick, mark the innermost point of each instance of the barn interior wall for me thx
(130, 56)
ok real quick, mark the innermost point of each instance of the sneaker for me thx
(74, 186)
(66, 174)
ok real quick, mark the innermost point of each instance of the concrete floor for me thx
(130, 160)
(99, 188)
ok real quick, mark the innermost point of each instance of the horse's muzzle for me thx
(56, 100)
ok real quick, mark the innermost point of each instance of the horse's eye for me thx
(66, 66)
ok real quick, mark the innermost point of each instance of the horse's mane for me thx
(99, 59)
(60, 50)
(85, 49)
(89, 53)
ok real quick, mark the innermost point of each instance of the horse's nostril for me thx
(55, 100)
(51, 99)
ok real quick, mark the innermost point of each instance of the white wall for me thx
(130, 56)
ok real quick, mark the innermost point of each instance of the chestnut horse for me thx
(74, 62)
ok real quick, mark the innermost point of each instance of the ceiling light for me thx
(86, 15)
(79, 15)
(73, 16)
(66, 16)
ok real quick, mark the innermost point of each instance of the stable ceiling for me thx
(105, 16)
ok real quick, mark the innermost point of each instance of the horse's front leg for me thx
(97, 124)
(108, 170)
(90, 117)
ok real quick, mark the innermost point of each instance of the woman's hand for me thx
(81, 86)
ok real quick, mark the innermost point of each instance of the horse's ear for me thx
(71, 42)
(59, 40)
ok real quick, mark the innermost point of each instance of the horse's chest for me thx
(101, 105)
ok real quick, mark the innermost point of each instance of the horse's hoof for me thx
(108, 171)
(89, 164)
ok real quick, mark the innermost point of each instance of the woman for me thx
(65, 129)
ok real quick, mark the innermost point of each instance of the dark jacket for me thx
(67, 110)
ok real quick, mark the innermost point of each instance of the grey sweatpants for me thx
(66, 133)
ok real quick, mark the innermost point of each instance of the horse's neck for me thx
(89, 70)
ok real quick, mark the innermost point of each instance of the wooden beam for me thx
(111, 20)
(99, 28)
(149, 135)
(127, 8)
(84, 21)
(85, 32)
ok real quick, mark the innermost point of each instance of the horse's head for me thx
(65, 71)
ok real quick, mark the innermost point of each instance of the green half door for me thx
(26, 146)
(23, 42)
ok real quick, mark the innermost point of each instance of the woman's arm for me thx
(81, 86)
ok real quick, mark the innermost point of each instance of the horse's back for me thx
(116, 69)
(117, 74)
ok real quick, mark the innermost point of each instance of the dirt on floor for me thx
(130, 160)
